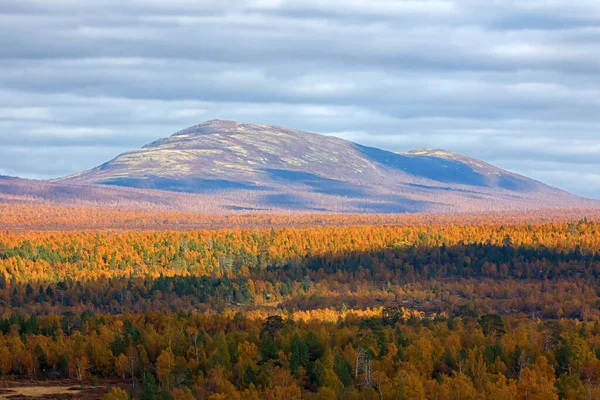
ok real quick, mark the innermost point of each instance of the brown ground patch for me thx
(38, 392)
(57, 389)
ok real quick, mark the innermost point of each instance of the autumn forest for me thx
(174, 306)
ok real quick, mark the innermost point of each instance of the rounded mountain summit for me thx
(271, 167)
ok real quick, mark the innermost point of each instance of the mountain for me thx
(263, 167)
(28, 191)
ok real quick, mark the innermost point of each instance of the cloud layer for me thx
(516, 83)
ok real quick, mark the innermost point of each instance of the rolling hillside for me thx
(262, 167)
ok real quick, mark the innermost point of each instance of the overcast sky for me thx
(513, 82)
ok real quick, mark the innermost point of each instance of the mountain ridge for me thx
(289, 169)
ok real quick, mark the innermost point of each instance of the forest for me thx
(291, 307)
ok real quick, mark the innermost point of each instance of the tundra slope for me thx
(262, 167)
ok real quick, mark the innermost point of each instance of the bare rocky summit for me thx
(264, 167)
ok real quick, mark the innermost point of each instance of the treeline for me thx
(441, 311)
(15, 216)
(575, 298)
(186, 356)
(549, 271)
(386, 252)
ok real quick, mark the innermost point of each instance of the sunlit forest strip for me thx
(28, 217)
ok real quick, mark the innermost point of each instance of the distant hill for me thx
(26, 191)
(238, 166)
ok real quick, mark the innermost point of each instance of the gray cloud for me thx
(514, 83)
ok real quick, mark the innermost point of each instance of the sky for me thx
(515, 83)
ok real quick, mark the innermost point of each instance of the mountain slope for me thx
(35, 192)
(274, 167)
